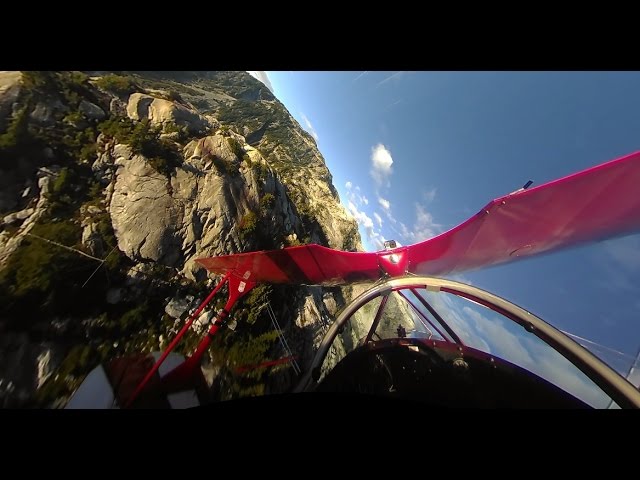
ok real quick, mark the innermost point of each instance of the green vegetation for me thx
(34, 80)
(253, 304)
(267, 202)
(252, 351)
(235, 147)
(88, 152)
(17, 131)
(42, 281)
(135, 319)
(71, 87)
(117, 84)
(223, 166)
(163, 155)
(71, 137)
(350, 239)
(30, 271)
(247, 225)
(74, 118)
(243, 350)
(43, 278)
(79, 361)
(261, 170)
(62, 183)
(167, 81)
(241, 110)
(67, 192)
(174, 96)
(183, 131)
(294, 242)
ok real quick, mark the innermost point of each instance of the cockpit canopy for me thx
(421, 312)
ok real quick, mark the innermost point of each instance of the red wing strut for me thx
(594, 204)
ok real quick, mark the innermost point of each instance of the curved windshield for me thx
(416, 312)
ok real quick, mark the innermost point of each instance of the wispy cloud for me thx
(378, 218)
(359, 77)
(390, 77)
(353, 194)
(365, 221)
(386, 209)
(619, 261)
(310, 128)
(263, 77)
(381, 162)
(459, 277)
(429, 195)
(423, 228)
(625, 252)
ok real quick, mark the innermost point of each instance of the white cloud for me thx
(263, 77)
(365, 221)
(378, 218)
(429, 195)
(386, 209)
(360, 216)
(381, 162)
(310, 128)
(423, 228)
(354, 196)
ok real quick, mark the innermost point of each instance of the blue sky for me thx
(415, 153)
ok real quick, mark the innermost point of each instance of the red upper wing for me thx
(308, 264)
(595, 204)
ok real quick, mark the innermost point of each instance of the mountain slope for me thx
(112, 184)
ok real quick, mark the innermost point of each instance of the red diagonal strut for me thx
(175, 341)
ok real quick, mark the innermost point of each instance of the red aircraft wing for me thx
(307, 264)
(594, 204)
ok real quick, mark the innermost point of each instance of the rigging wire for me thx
(617, 352)
(283, 340)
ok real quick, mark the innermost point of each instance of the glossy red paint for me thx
(595, 204)
(394, 263)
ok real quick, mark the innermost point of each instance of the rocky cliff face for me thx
(110, 187)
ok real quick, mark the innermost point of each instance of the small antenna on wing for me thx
(524, 187)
